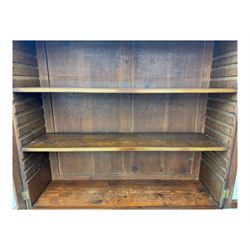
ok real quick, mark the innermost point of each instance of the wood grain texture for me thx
(28, 47)
(222, 48)
(89, 63)
(231, 175)
(112, 113)
(25, 70)
(28, 120)
(51, 142)
(125, 194)
(119, 65)
(172, 64)
(125, 165)
(221, 119)
(17, 177)
(126, 90)
(47, 100)
(39, 181)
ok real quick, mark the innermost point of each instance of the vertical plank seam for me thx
(132, 85)
(51, 105)
(198, 107)
(201, 79)
(51, 102)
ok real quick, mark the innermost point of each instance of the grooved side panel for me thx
(127, 64)
(25, 71)
(221, 119)
(28, 119)
(17, 177)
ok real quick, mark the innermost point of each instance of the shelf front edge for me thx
(126, 90)
(115, 149)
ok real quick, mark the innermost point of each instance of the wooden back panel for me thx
(125, 64)
(28, 119)
(221, 119)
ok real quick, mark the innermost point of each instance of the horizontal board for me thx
(27, 105)
(126, 90)
(225, 97)
(26, 81)
(222, 61)
(223, 105)
(24, 58)
(29, 127)
(31, 171)
(222, 48)
(213, 183)
(32, 136)
(221, 115)
(123, 142)
(217, 158)
(39, 181)
(25, 70)
(224, 72)
(29, 115)
(221, 158)
(18, 97)
(215, 167)
(26, 46)
(125, 194)
(32, 158)
(217, 125)
(223, 83)
(217, 135)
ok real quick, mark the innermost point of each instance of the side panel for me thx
(221, 120)
(17, 178)
(29, 123)
(228, 203)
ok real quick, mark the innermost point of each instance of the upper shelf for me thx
(86, 142)
(125, 90)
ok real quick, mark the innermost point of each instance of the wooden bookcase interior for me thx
(124, 124)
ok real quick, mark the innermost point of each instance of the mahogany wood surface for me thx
(127, 124)
(28, 123)
(88, 142)
(117, 65)
(221, 121)
(125, 194)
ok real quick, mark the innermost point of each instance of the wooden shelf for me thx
(126, 90)
(75, 142)
(125, 194)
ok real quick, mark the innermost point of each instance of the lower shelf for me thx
(125, 194)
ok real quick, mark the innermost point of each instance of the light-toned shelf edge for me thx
(119, 149)
(112, 142)
(125, 90)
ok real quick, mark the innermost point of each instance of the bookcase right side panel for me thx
(221, 119)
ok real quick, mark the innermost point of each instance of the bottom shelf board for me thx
(125, 194)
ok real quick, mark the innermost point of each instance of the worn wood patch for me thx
(125, 194)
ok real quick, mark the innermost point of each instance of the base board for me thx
(125, 194)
